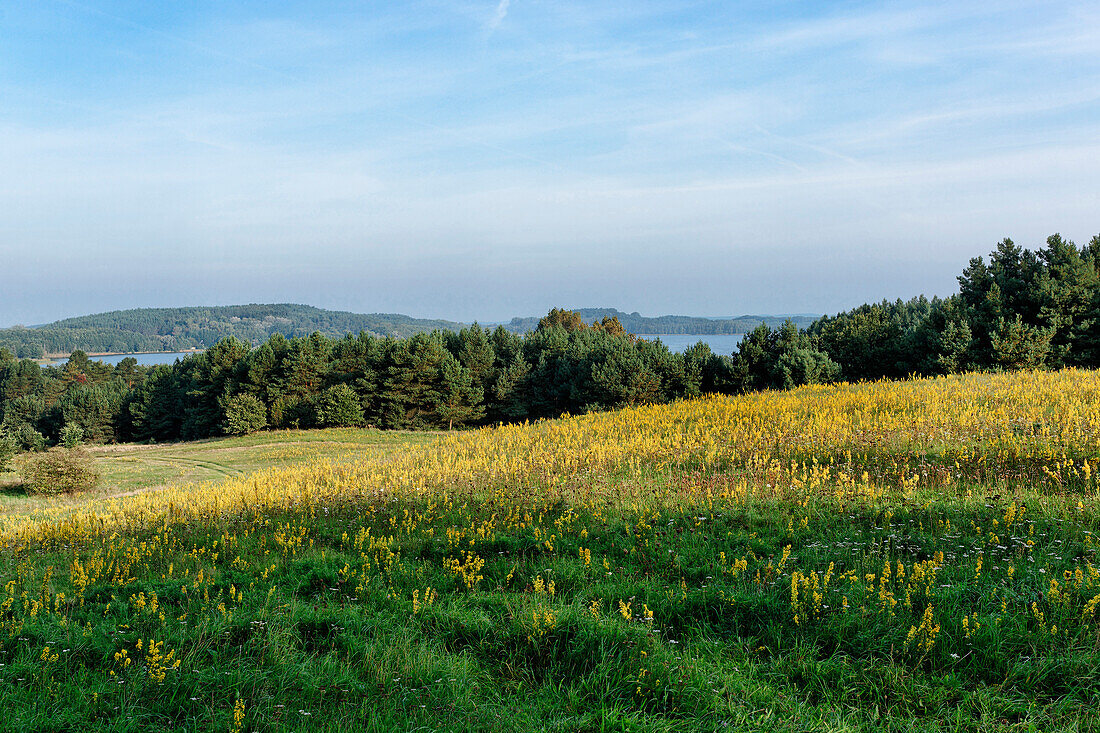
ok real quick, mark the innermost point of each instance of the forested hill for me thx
(636, 323)
(176, 329)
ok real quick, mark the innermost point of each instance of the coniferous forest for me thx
(1015, 309)
(178, 329)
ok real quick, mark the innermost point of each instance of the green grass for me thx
(308, 649)
(129, 468)
(314, 617)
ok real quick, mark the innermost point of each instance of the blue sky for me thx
(489, 159)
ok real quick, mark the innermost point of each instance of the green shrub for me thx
(244, 414)
(24, 435)
(60, 471)
(7, 451)
(339, 407)
(72, 435)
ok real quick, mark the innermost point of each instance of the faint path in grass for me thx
(130, 468)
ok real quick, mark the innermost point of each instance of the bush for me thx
(339, 407)
(244, 414)
(7, 451)
(25, 436)
(60, 471)
(71, 435)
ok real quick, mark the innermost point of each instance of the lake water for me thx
(167, 357)
(724, 343)
(678, 342)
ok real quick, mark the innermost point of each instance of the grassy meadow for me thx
(129, 468)
(913, 556)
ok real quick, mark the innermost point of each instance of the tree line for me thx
(441, 379)
(177, 329)
(637, 323)
(1021, 309)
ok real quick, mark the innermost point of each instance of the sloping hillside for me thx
(175, 329)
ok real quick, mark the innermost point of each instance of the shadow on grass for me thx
(12, 486)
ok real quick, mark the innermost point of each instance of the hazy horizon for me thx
(482, 321)
(485, 160)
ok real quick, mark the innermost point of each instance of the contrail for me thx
(498, 16)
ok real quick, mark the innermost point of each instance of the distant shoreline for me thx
(58, 357)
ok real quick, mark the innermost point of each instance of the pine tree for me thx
(476, 354)
(459, 400)
(1017, 345)
(1066, 287)
(156, 407)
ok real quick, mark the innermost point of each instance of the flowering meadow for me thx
(900, 556)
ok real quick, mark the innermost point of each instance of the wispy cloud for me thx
(174, 38)
(698, 142)
(499, 15)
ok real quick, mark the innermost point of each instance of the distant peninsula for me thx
(636, 323)
(199, 327)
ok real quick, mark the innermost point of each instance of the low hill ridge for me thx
(177, 329)
(637, 323)
(197, 327)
